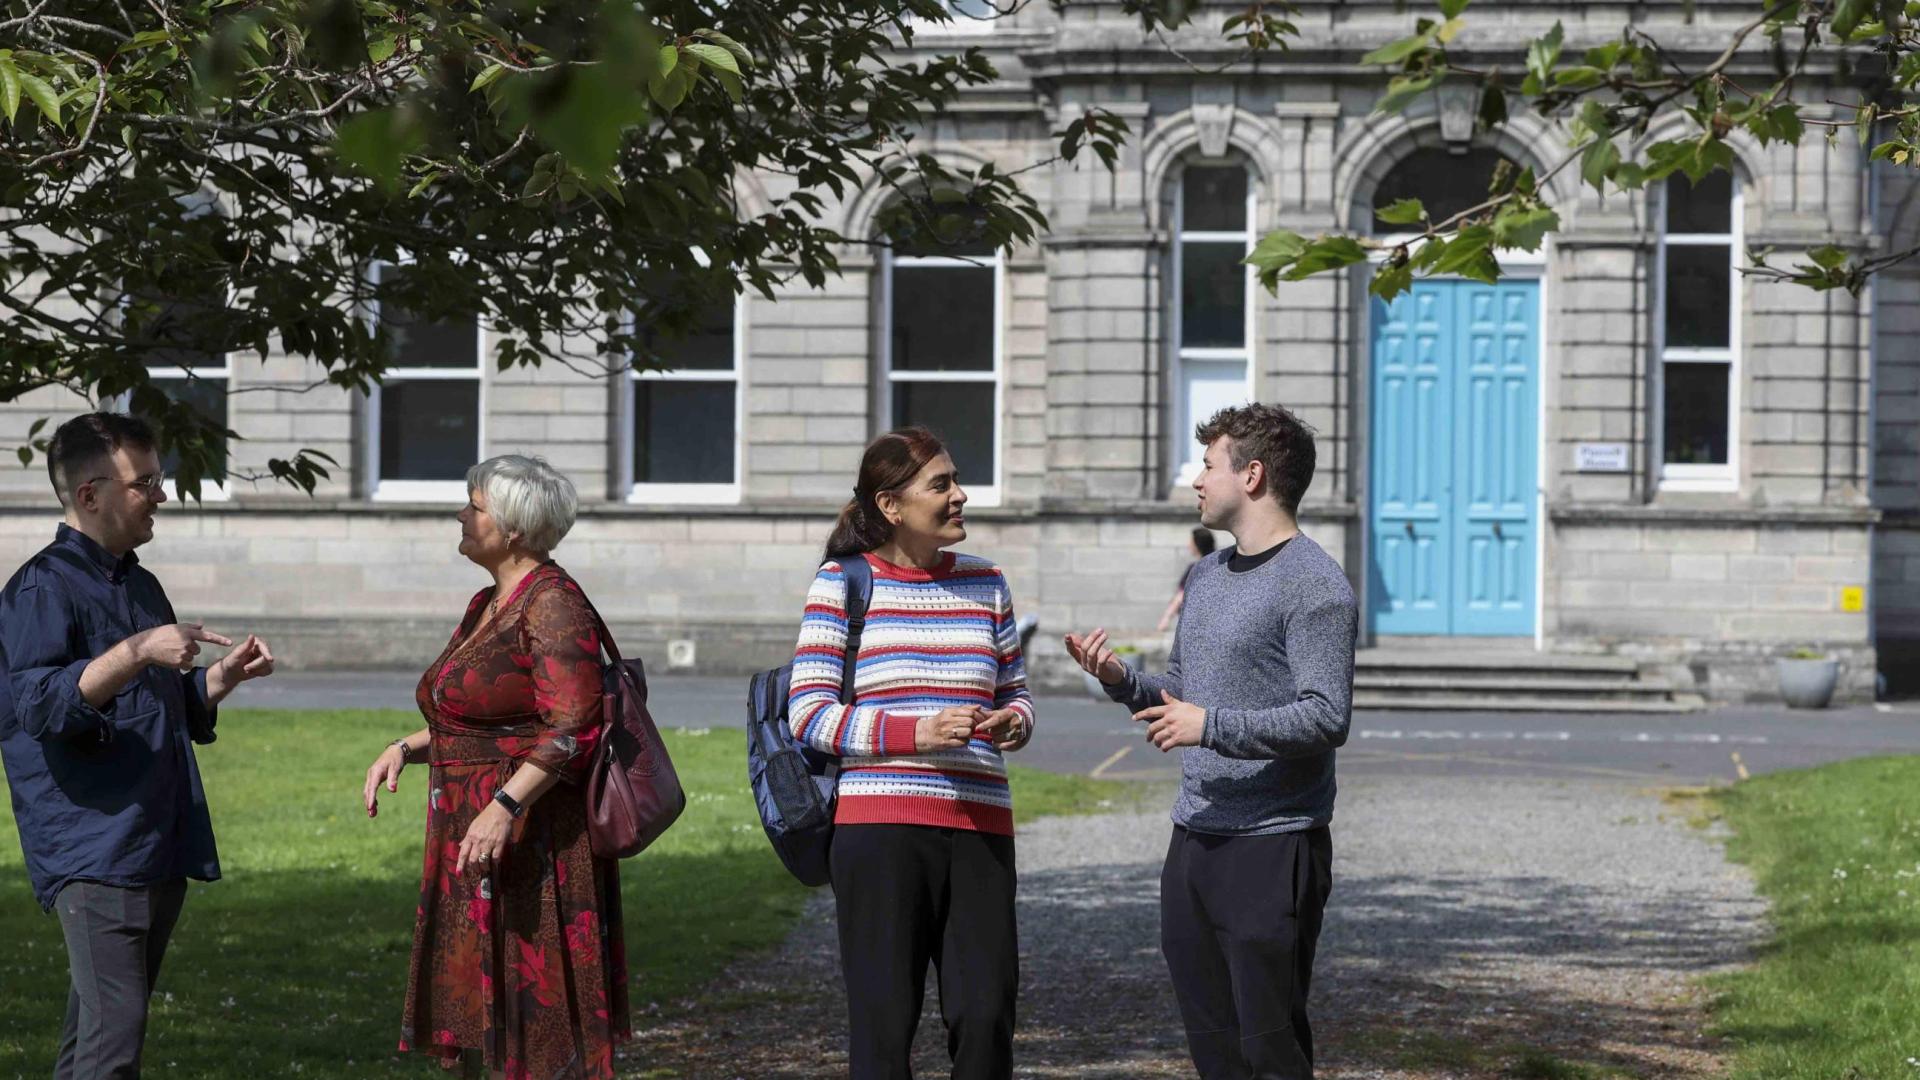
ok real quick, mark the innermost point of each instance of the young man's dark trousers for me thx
(1239, 920)
(908, 895)
(115, 940)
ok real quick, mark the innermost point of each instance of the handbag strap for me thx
(859, 575)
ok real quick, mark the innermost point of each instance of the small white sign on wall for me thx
(1600, 457)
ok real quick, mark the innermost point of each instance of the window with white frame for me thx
(426, 415)
(965, 17)
(173, 318)
(1699, 329)
(1212, 324)
(940, 339)
(683, 419)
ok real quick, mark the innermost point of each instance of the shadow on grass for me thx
(274, 974)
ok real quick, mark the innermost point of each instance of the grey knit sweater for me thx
(1269, 654)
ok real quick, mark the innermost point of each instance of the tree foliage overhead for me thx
(189, 179)
(1608, 98)
(185, 179)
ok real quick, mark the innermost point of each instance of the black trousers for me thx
(116, 938)
(1239, 920)
(910, 894)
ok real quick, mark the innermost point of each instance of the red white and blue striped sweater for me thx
(933, 638)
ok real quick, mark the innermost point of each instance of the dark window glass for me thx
(961, 414)
(1444, 182)
(429, 429)
(1699, 290)
(1695, 431)
(419, 343)
(1213, 295)
(177, 326)
(942, 318)
(683, 432)
(929, 227)
(1705, 207)
(706, 347)
(209, 398)
(1213, 199)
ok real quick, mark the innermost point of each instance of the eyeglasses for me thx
(152, 486)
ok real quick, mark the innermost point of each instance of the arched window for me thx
(1698, 324)
(1212, 323)
(1445, 182)
(940, 342)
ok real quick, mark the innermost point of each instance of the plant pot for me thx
(1095, 689)
(1807, 684)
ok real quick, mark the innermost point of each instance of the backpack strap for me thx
(859, 575)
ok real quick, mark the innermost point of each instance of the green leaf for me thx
(738, 50)
(1396, 51)
(1846, 17)
(1543, 52)
(1598, 162)
(716, 57)
(42, 95)
(376, 142)
(9, 87)
(669, 59)
(1326, 253)
(381, 48)
(488, 77)
(1493, 106)
(36, 426)
(1469, 254)
(1829, 257)
(1452, 8)
(1785, 121)
(1390, 281)
(26, 455)
(671, 89)
(1449, 30)
(1401, 91)
(1402, 212)
(1523, 228)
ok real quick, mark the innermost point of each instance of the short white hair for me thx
(527, 496)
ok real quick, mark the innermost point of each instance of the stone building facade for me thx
(1624, 447)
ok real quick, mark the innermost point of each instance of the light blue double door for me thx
(1454, 453)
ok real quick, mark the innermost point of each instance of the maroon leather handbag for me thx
(633, 793)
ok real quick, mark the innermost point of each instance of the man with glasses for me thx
(100, 702)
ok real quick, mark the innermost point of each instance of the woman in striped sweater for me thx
(922, 856)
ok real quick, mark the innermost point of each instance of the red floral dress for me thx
(525, 961)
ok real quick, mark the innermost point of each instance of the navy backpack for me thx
(793, 784)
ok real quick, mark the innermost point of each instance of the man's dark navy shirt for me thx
(109, 795)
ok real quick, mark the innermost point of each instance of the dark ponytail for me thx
(890, 463)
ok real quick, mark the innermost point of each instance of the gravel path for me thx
(1472, 923)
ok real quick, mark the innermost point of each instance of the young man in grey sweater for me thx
(1259, 689)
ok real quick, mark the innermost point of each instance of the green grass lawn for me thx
(1836, 992)
(296, 962)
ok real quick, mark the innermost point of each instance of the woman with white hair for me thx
(519, 965)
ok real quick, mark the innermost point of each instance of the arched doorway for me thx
(1454, 392)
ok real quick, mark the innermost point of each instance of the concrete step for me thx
(1510, 663)
(1379, 701)
(1497, 684)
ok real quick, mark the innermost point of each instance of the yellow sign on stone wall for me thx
(1853, 598)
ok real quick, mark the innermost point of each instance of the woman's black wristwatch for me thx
(514, 806)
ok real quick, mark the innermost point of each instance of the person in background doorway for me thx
(1199, 546)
